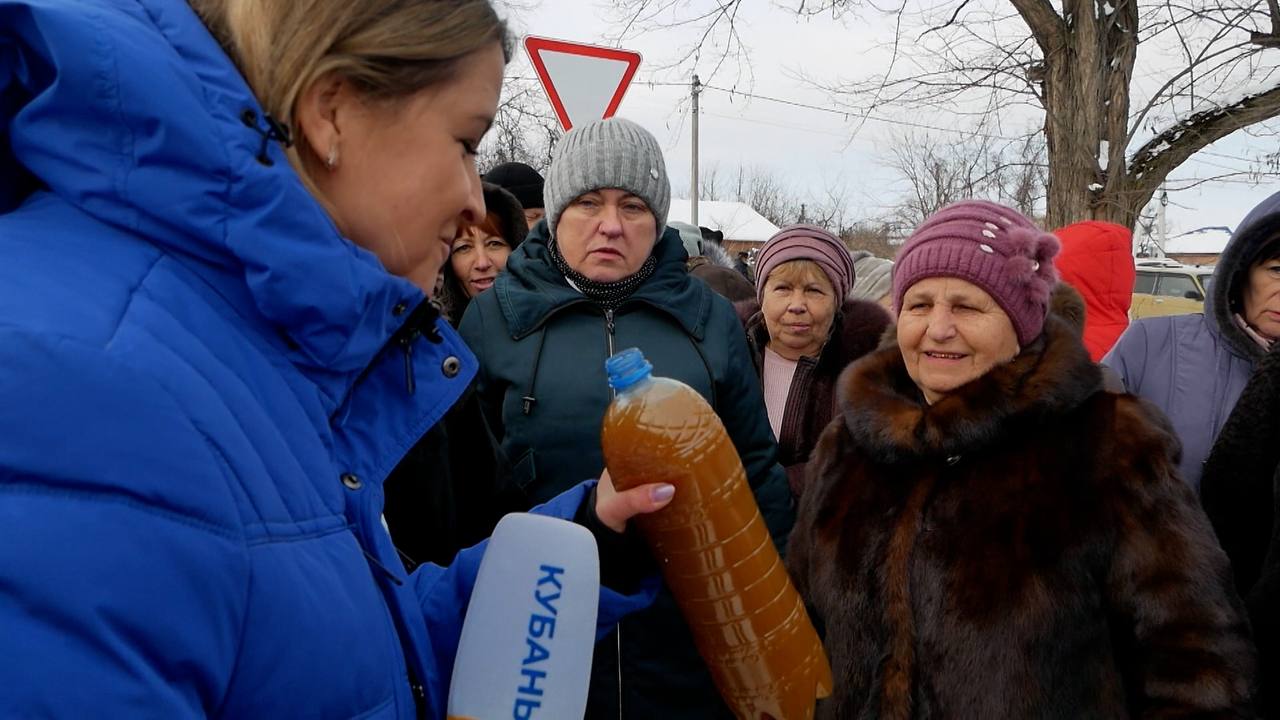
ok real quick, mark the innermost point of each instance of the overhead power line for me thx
(846, 114)
(849, 115)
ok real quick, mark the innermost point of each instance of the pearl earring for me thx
(332, 160)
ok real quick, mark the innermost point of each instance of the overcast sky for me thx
(811, 149)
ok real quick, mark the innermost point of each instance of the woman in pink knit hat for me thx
(988, 533)
(803, 329)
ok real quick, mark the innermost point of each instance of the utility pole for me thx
(693, 192)
(1160, 219)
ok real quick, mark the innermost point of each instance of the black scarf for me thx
(608, 295)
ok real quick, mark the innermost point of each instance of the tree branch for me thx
(1166, 151)
(1158, 96)
(1045, 23)
(1271, 39)
(959, 8)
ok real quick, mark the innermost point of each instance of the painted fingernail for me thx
(662, 493)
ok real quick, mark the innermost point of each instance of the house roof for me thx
(1201, 241)
(738, 221)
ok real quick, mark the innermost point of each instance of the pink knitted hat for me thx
(992, 246)
(806, 242)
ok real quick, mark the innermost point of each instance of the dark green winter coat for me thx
(542, 347)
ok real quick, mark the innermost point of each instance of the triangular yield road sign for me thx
(583, 82)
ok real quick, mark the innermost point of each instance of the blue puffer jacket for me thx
(202, 387)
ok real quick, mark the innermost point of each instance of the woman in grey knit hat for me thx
(604, 273)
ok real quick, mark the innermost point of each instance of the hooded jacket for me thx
(1021, 548)
(542, 347)
(1193, 367)
(1097, 260)
(812, 401)
(203, 388)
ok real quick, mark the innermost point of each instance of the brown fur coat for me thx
(1023, 548)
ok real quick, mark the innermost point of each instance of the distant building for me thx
(1201, 246)
(744, 229)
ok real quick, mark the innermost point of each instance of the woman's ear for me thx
(322, 111)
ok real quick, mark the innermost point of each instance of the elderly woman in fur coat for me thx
(988, 533)
(803, 329)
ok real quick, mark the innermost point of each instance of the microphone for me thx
(527, 640)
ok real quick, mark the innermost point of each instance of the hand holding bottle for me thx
(615, 508)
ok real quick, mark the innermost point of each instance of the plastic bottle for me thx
(747, 619)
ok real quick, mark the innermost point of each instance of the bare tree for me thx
(760, 188)
(768, 195)
(771, 196)
(939, 171)
(881, 239)
(935, 175)
(1110, 142)
(829, 208)
(1022, 175)
(524, 128)
(709, 182)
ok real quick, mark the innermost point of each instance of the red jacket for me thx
(1097, 260)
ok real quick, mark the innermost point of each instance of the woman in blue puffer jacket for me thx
(214, 346)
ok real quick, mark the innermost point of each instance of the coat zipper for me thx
(406, 344)
(618, 645)
(609, 327)
(609, 332)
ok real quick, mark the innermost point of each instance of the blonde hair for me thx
(798, 272)
(388, 49)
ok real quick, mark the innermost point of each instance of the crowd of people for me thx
(277, 358)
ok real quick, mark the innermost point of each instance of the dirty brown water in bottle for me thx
(747, 618)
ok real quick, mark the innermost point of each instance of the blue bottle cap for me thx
(627, 368)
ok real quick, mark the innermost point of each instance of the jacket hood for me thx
(888, 417)
(531, 289)
(133, 114)
(690, 237)
(1260, 225)
(1097, 260)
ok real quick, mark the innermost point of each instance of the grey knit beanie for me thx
(612, 153)
(874, 277)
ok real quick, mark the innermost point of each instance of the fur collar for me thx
(716, 254)
(888, 417)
